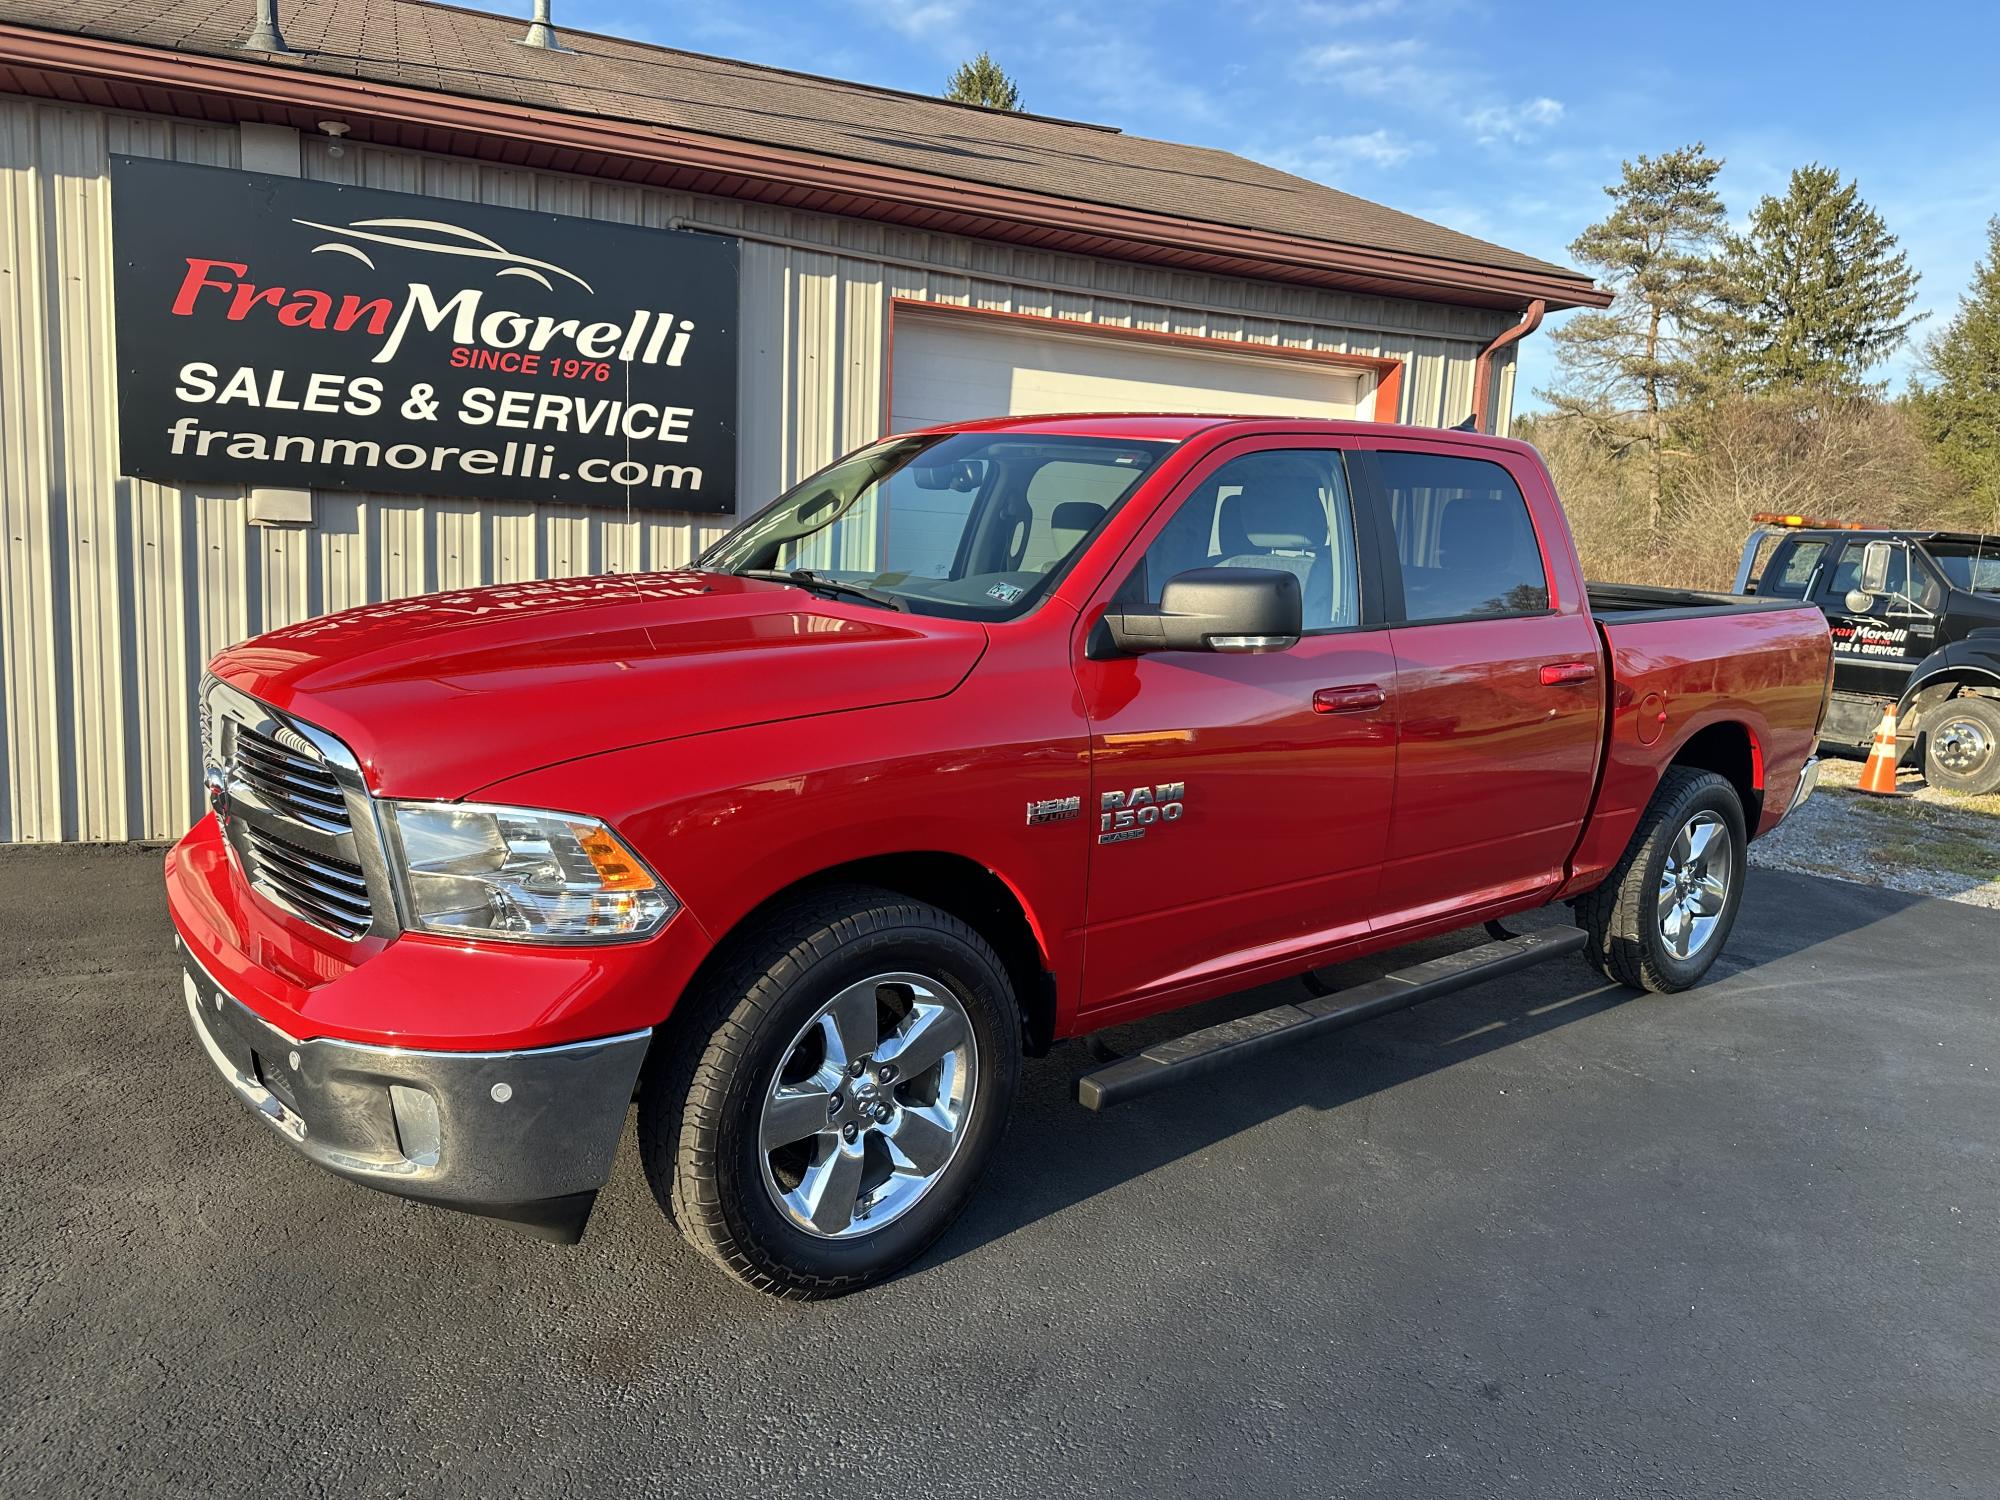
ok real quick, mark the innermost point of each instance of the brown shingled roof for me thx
(474, 54)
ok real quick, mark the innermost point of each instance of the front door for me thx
(1876, 647)
(1499, 681)
(1242, 800)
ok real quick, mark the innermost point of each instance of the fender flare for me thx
(1973, 660)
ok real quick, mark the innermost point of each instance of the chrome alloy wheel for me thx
(1694, 884)
(1962, 746)
(869, 1106)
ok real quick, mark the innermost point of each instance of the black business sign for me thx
(274, 331)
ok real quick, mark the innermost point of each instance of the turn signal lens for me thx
(522, 875)
(616, 865)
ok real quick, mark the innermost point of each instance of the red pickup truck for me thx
(983, 737)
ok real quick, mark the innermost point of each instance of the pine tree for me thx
(1959, 412)
(1821, 290)
(981, 82)
(1659, 251)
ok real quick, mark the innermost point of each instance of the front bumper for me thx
(527, 1136)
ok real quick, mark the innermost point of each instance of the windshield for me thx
(971, 523)
(1969, 565)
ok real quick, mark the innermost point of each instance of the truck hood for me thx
(442, 694)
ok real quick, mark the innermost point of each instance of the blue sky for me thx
(1501, 120)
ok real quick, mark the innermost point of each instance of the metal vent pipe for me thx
(540, 32)
(264, 34)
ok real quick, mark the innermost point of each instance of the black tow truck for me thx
(1915, 618)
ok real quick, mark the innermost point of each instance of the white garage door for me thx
(948, 369)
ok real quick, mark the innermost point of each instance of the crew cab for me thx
(1915, 618)
(983, 737)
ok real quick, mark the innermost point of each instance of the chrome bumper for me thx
(1808, 781)
(524, 1136)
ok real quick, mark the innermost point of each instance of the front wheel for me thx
(1663, 914)
(1962, 749)
(839, 1095)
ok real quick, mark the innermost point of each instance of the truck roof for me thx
(1176, 427)
(1899, 533)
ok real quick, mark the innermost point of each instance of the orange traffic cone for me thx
(1879, 775)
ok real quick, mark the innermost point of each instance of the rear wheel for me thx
(1663, 914)
(839, 1095)
(1962, 748)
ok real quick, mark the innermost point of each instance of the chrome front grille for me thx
(328, 892)
(290, 780)
(296, 813)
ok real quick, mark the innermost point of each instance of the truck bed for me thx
(1681, 660)
(1629, 603)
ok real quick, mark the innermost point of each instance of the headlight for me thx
(524, 875)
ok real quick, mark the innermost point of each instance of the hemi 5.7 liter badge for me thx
(1054, 810)
(1124, 816)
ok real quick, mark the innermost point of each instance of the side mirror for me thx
(1207, 609)
(1874, 568)
(1859, 601)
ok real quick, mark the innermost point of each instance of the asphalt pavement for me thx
(1543, 1238)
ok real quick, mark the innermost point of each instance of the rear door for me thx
(1499, 681)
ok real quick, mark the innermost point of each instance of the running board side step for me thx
(1214, 1047)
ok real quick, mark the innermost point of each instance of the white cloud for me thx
(1345, 12)
(1514, 122)
(1377, 69)
(1129, 79)
(1333, 56)
(923, 20)
(1405, 70)
(1377, 147)
(1338, 159)
(1381, 148)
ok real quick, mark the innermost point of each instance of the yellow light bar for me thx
(1772, 518)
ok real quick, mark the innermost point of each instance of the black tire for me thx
(703, 1097)
(1622, 915)
(1962, 746)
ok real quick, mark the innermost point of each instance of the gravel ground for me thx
(1924, 841)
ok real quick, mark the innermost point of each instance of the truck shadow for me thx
(1057, 1154)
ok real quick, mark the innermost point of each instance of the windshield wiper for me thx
(806, 578)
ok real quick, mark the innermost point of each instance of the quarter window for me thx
(1792, 580)
(1463, 538)
(1286, 509)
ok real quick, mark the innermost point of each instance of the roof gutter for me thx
(1482, 370)
(91, 70)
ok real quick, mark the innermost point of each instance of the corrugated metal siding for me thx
(115, 590)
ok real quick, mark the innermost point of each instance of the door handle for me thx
(1354, 698)
(1557, 673)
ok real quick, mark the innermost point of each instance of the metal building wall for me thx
(116, 590)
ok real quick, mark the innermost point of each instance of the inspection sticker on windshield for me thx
(1006, 593)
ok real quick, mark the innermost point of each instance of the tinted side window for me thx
(1969, 565)
(1914, 584)
(1463, 537)
(1282, 509)
(1790, 581)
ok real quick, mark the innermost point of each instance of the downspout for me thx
(1482, 370)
